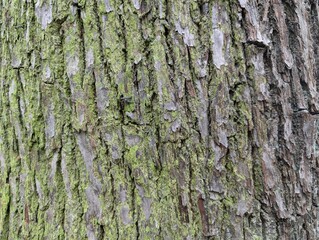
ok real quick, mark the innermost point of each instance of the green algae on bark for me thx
(158, 119)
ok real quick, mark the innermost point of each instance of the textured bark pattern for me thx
(144, 119)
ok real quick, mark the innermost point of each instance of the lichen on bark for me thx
(160, 119)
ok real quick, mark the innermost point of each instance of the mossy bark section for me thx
(159, 119)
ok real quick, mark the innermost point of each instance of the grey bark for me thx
(142, 119)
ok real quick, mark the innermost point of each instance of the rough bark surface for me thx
(159, 119)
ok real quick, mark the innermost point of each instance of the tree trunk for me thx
(159, 119)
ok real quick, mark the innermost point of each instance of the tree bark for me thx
(159, 119)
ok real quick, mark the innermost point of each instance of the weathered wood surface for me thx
(159, 119)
